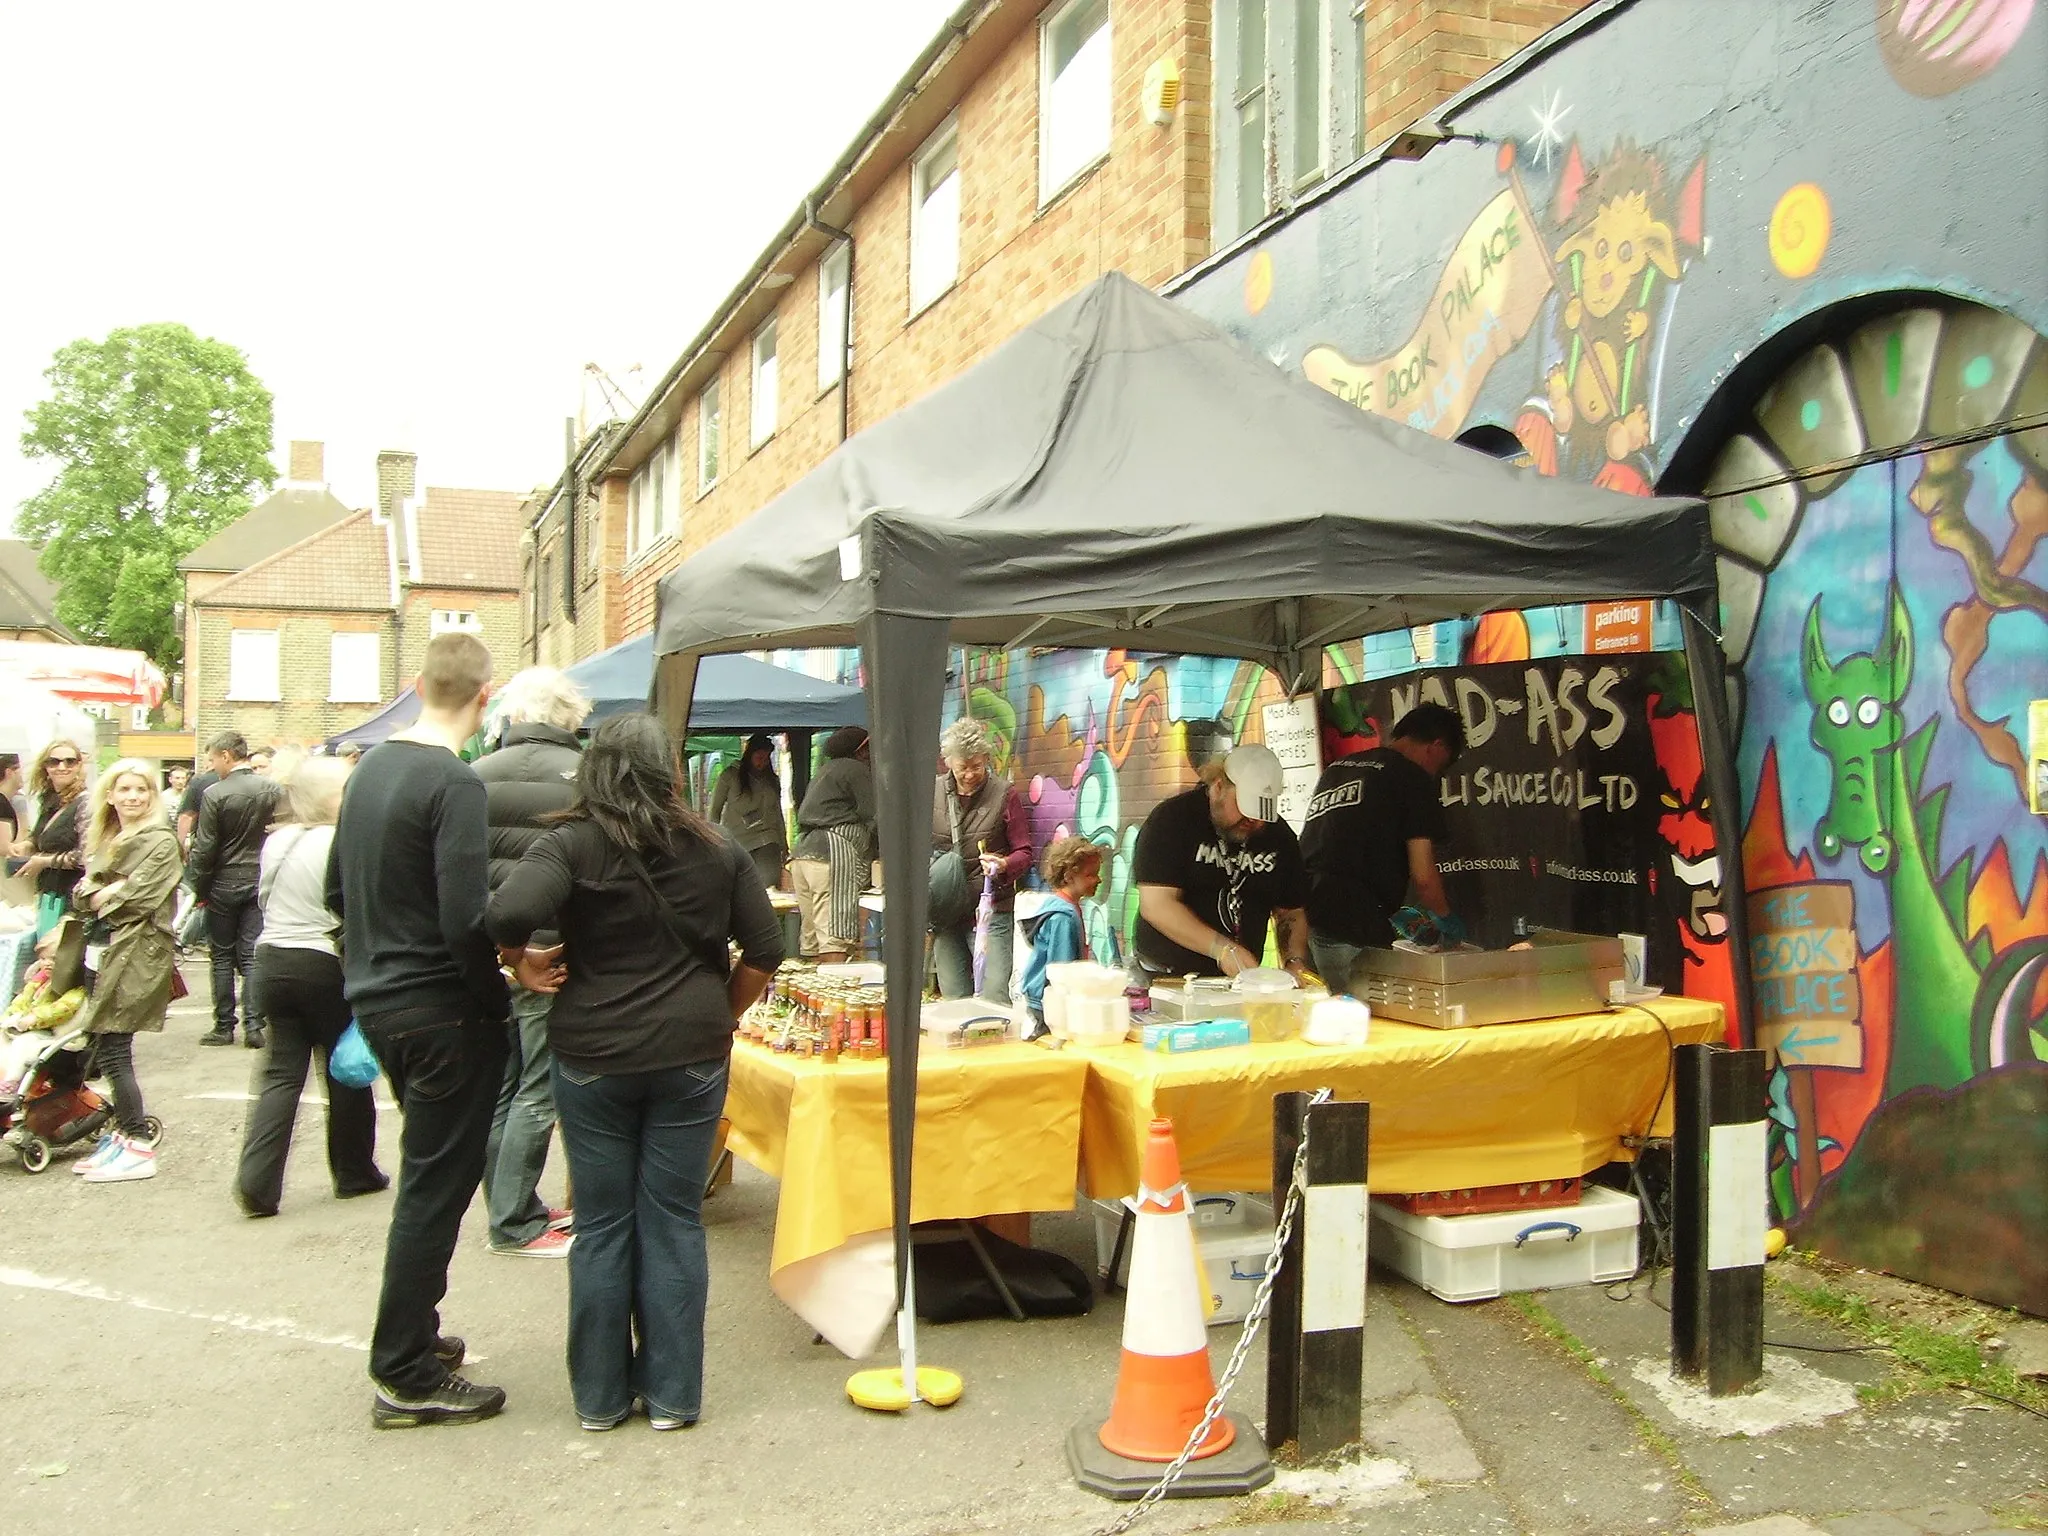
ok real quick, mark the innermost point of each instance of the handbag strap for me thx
(953, 811)
(720, 962)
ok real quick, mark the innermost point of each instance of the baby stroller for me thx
(53, 1106)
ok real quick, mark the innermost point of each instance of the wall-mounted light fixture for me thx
(1418, 139)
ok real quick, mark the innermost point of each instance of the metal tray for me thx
(1560, 973)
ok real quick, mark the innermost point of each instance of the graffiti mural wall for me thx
(1788, 257)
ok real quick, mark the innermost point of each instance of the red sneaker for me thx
(549, 1245)
(560, 1220)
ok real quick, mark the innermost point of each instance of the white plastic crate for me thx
(1235, 1236)
(1474, 1258)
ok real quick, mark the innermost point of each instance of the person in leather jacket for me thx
(235, 816)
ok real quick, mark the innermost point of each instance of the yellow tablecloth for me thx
(1451, 1109)
(998, 1130)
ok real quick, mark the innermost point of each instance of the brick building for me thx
(304, 617)
(28, 598)
(1032, 147)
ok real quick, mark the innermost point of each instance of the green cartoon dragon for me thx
(1876, 807)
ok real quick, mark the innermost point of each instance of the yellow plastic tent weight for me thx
(884, 1390)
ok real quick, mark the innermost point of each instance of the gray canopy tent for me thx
(1122, 473)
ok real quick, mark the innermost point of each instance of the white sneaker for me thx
(132, 1162)
(104, 1151)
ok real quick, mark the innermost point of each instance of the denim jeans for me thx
(639, 1148)
(306, 1012)
(1334, 960)
(444, 1068)
(953, 955)
(521, 1126)
(233, 924)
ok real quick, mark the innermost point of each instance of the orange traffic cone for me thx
(1164, 1383)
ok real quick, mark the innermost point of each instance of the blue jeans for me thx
(953, 958)
(1333, 960)
(639, 1148)
(521, 1127)
(234, 923)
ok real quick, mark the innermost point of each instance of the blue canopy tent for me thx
(734, 692)
(388, 721)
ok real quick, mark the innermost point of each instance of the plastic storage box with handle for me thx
(1475, 1258)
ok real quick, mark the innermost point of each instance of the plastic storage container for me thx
(1234, 1234)
(1475, 1258)
(1085, 1003)
(1274, 1006)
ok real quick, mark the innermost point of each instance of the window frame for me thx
(1336, 135)
(835, 314)
(1053, 181)
(944, 142)
(374, 671)
(448, 621)
(761, 432)
(236, 693)
(710, 434)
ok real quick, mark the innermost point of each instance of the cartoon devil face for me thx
(1685, 824)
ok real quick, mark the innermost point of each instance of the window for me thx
(1290, 93)
(543, 594)
(708, 422)
(355, 668)
(761, 405)
(833, 273)
(935, 218)
(447, 621)
(252, 665)
(1073, 93)
(649, 514)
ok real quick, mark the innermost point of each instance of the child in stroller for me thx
(46, 1100)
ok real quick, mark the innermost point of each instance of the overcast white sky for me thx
(418, 220)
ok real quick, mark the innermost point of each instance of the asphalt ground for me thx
(176, 1366)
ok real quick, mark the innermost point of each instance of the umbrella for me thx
(984, 915)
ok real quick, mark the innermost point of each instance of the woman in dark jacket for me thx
(55, 850)
(646, 895)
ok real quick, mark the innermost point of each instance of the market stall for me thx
(1122, 473)
(1502, 1104)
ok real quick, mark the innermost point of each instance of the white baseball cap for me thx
(1255, 771)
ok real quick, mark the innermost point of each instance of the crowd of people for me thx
(553, 937)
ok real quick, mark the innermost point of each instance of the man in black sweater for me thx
(409, 876)
(526, 780)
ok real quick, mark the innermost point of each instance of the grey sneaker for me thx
(455, 1401)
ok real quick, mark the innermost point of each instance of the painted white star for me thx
(1549, 129)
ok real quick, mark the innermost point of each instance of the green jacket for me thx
(134, 985)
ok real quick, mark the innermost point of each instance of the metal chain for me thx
(1283, 1229)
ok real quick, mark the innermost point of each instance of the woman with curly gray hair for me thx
(981, 819)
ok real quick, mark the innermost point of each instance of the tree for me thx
(160, 436)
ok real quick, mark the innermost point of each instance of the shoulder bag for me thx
(719, 959)
(952, 897)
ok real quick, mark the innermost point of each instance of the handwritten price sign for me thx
(1802, 943)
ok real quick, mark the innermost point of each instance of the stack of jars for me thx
(832, 1018)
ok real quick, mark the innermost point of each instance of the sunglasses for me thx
(60, 762)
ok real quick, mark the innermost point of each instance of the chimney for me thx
(308, 466)
(395, 472)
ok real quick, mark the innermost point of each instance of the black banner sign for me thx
(1553, 809)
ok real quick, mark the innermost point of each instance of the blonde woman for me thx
(298, 978)
(131, 875)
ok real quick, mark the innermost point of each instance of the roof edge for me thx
(211, 597)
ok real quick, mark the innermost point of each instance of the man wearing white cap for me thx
(1213, 865)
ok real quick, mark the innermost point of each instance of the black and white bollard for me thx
(1315, 1341)
(1720, 1214)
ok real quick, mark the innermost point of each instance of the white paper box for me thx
(1474, 1258)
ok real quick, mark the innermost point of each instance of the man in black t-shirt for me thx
(1372, 833)
(1213, 865)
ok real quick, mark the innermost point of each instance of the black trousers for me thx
(445, 1068)
(233, 924)
(299, 993)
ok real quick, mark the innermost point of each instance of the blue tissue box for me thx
(1208, 1035)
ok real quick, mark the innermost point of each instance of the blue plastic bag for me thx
(352, 1063)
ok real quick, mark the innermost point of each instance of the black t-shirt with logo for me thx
(1355, 842)
(1233, 887)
